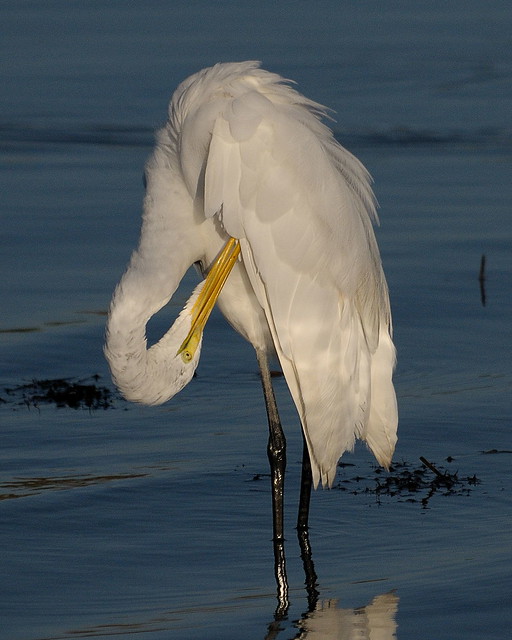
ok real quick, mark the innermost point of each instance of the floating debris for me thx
(63, 394)
(495, 451)
(410, 484)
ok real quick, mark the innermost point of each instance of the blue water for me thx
(151, 522)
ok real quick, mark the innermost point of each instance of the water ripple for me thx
(18, 135)
(25, 487)
(13, 134)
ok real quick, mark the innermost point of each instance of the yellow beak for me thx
(202, 307)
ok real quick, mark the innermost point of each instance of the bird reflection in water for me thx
(328, 621)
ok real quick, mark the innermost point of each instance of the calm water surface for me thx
(155, 522)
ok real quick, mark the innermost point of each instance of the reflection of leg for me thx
(277, 459)
(303, 529)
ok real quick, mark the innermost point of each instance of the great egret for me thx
(247, 183)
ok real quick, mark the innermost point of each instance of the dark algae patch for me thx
(409, 483)
(63, 393)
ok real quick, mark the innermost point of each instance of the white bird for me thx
(246, 181)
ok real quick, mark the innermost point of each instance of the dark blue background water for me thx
(147, 521)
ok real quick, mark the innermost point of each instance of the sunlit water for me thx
(155, 522)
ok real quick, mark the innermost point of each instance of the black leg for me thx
(277, 458)
(306, 483)
(303, 528)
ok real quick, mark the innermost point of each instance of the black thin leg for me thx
(306, 482)
(277, 458)
(303, 529)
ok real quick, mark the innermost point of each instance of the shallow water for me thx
(155, 522)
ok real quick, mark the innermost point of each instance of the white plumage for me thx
(244, 155)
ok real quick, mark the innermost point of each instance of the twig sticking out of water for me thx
(431, 467)
(481, 280)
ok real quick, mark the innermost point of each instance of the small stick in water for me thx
(431, 467)
(481, 279)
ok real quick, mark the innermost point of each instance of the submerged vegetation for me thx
(82, 394)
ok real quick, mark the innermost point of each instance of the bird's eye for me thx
(186, 355)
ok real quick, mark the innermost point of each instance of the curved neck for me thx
(149, 376)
